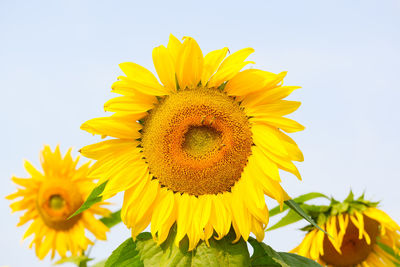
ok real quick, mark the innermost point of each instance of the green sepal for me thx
(265, 256)
(93, 198)
(112, 220)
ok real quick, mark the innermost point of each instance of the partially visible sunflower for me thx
(199, 150)
(50, 197)
(360, 235)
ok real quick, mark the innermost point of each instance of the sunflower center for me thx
(57, 200)
(197, 141)
(354, 250)
(200, 141)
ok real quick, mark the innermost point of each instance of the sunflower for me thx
(49, 198)
(362, 236)
(200, 149)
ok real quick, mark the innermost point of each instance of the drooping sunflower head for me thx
(201, 148)
(360, 235)
(50, 197)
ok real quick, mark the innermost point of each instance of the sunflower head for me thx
(201, 148)
(50, 197)
(359, 235)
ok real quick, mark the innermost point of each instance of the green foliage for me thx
(294, 206)
(265, 256)
(127, 254)
(299, 210)
(92, 199)
(300, 200)
(77, 260)
(112, 220)
(289, 218)
(145, 252)
(99, 264)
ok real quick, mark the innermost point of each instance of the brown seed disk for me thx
(197, 141)
(354, 250)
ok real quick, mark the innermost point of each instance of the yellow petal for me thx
(141, 79)
(165, 207)
(124, 177)
(227, 73)
(131, 197)
(237, 57)
(277, 108)
(268, 96)
(381, 217)
(98, 150)
(240, 213)
(174, 46)
(25, 182)
(286, 124)
(129, 104)
(32, 170)
(290, 146)
(267, 139)
(211, 63)
(220, 215)
(61, 245)
(283, 163)
(95, 226)
(189, 65)
(202, 213)
(252, 81)
(119, 127)
(165, 67)
(46, 245)
(184, 216)
(267, 167)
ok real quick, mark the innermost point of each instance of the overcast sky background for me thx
(58, 60)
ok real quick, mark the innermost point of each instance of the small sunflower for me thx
(360, 235)
(200, 149)
(49, 198)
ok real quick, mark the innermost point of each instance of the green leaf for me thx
(112, 220)
(77, 260)
(290, 218)
(265, 256)
(309, 196)
(260, 257)
(300, 199)
(99, 264)
(294, 206)
(126, 254)
(92, 199)
(146, 252)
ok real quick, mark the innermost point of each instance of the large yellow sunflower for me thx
(49, 198)
(199, 150)
(356, 240)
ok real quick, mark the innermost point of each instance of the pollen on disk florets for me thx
(197, 141)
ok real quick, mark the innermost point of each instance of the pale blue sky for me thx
(58, 60)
